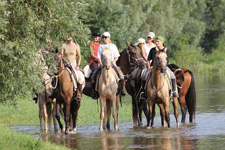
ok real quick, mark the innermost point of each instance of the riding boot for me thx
(120, 88)
(174, 92)
(36, 97)
(94, 93)
(79, 88)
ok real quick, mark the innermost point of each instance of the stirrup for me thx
(175, 94)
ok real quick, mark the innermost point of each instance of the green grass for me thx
(12, 140)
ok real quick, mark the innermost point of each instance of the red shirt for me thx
(95, 47)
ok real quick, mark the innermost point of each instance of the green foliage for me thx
(28, 26)
(12, 140)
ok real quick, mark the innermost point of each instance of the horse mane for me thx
(173, 66)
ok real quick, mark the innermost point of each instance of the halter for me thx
(135, 63)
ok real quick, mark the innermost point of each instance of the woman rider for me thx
(70, 51)
(108, 45)
(160, 45)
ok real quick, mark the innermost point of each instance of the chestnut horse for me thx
(108, 84)
(130, 59)
(158, 90)
(64, 94)
(186, 89)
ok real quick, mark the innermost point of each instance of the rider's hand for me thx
(77, 67)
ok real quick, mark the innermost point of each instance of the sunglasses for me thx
(104, 37)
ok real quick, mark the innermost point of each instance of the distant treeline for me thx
(193, 29)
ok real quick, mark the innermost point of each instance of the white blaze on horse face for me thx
(162, 56)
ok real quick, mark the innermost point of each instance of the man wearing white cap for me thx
(109, 46)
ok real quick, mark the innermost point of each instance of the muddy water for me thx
(208, 131)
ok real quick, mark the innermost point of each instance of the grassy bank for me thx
(25, 112)
(12, 140)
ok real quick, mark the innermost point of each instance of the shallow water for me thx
(208, 131)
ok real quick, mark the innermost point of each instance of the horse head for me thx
(135, 55)
(106, 57)
(161, 60)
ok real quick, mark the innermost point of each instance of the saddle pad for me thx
(87, 71)
(73, 78)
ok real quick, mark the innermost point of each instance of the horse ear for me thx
(56, 50)
(131, 43)
(165, 49)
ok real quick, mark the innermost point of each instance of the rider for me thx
(160, 45)
(70, 51)
(109, 46)
(94, 51)
(146, 47)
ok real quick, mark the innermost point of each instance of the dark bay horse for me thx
(158, 90)
(186, 89)
(130, 58)
(64, 94)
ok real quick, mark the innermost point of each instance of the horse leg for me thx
(54, 115)
(115, 112)
(40, 111)
(167, 112)
(140, 105)
(67, 114)
(75, 108)
(102, 113)
(108, 106)
(175, 106)
(150, 104)
(183, 107)
(58, 115)
(162, 114)
(135, 118)
(45, 115)
(153, 113)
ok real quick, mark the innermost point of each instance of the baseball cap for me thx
(151, 34)
(140, 40)
(107, 34)
(161, 38)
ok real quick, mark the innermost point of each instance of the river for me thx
(208, 131)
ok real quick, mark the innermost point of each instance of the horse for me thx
(64, 94)
(186, 90)
(108, 84)
(45, 105)
(130, 58)
(158, 90)
(44, 102)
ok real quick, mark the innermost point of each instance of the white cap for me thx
(107, 34)
(141, 40)
(151, 34)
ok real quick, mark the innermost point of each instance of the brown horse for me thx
(186, 89)
(158, 90)
(130, 59)
(108, 84)
(64, 94)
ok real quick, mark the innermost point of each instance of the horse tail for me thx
(191, 98)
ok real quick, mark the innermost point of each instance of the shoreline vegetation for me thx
(25, 112)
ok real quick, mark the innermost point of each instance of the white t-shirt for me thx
(147, 49)
(111, 47)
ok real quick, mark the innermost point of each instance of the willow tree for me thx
(26, 26)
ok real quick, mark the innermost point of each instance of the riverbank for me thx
(25, 112)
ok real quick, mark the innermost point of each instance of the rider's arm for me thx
(115, 60)
(143, 52)
(92, 53)
(78, 55)
(99, 56)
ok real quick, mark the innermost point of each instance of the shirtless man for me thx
(70, 50)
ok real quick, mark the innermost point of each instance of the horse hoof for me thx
(75, 130)
(178, 124)
(148, 127)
